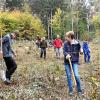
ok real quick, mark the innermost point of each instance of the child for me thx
(71, 51)
(43, 46)
(86, 51)
(57, 45)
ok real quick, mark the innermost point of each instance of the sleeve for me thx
(61, 42)
(5, 39)
(65, 50)
(40, 44)
(46, 44)
(80, 48)
(54, 43)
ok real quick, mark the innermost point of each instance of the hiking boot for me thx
(81, 93)
(71, 93)
(7, 82)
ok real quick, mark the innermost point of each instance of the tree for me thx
(14, 4)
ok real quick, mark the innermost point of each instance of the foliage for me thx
(14, 4)
(96, 22)
(61, 23)
(24, 22)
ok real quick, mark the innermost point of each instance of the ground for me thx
(39, 79)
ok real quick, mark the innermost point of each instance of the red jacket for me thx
(57, 43)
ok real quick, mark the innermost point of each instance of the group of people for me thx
(58, 45)
(71, 50)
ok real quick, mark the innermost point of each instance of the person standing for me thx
(86, 51)
(58, 45)
(8, 55)
(43, 46)
(71, 51)
(38, 40)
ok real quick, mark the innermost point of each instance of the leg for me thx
(75, 69)
(59, 51)
(85, 57)
(69, 78)
(45, 53)
(88, 57)
(41, 53)
(11, 67)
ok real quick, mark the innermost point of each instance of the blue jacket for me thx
(6, 47)
(86, 47)
(72, 49)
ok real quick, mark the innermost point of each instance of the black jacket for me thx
(73, 50)
(43, 44)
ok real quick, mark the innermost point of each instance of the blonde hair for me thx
(70, 34)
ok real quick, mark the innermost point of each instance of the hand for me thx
(81, 51)
(15, 55)
(68, 56)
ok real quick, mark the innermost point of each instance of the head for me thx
(15, 34)
(58, 36)
(69, 36)
(43, 38)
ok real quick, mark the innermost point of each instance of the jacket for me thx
(72, 49)
(6, 47)
(43, 44)
(86, 48)
(57, 43)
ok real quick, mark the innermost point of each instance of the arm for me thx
(80, 49)
(54, 43)
(46, 45)
(65, 51)
(61, 43)
(5, 39)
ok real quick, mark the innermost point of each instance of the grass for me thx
(38, 79)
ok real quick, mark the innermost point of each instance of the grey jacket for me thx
(6, 47)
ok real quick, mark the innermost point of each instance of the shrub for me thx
(24, 22)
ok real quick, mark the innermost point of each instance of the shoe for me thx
(71, 93)
(81, 93)
(7, 82)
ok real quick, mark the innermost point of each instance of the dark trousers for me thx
(43, 52)
(11, 66)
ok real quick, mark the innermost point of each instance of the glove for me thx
(68, 56)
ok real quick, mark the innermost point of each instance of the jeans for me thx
(58, 52)
(87, 57)
(43, 52)
(11, 66)
(69, 76)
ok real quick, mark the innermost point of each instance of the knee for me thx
(68, 76)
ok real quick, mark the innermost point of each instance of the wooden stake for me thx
(73, 76)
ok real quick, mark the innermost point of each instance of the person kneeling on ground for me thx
(8, 55)
(71, 51)
(43, 46)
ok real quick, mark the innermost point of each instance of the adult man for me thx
(43, 46)
(57, 45)
(8, 54)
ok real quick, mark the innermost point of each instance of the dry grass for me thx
(38, 79)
